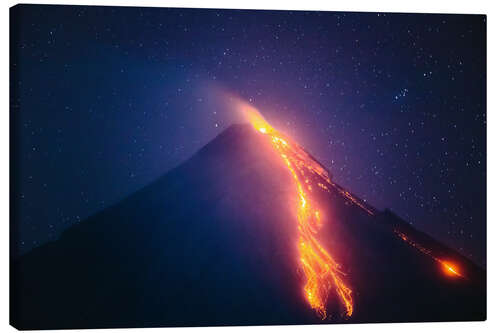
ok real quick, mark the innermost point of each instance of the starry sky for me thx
(106, 99)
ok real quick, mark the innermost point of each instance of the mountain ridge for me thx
(133, 264)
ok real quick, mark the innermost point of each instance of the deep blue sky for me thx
(107, 99)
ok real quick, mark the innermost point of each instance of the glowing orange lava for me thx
(449, 268)
(322, 273)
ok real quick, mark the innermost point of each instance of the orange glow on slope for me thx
(449, 268)
(322, 272)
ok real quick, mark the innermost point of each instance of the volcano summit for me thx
(251, 230)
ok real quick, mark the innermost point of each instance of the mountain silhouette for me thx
(214, 242)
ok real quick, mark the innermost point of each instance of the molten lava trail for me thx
(323, 274)
(449, 268)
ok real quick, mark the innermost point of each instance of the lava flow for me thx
(448, 267)
(322, 272)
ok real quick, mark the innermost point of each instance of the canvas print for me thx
(210, 167)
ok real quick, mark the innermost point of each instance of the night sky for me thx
(104, 100)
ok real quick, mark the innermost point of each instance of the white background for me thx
(489, 8)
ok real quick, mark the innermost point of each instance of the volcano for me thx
(251, 230)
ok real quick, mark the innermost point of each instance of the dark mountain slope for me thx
(213, 242)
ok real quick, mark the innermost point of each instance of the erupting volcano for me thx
(251, 230)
